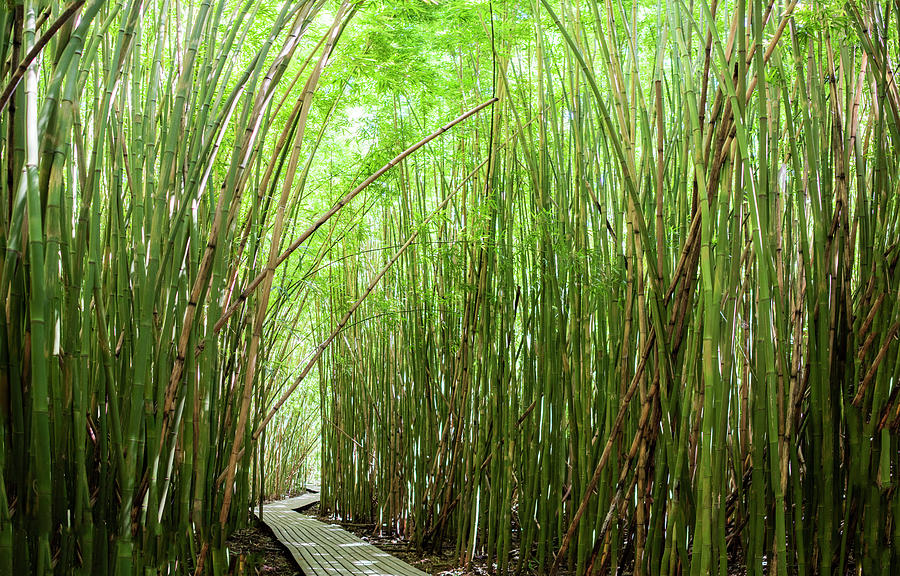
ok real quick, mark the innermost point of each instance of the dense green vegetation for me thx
(599, 287)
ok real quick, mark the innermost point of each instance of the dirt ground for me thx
(259, 553)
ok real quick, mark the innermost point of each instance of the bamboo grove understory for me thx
(565, 287)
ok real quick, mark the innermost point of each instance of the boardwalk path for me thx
(326, 550)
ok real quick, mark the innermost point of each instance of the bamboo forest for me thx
(536, 287)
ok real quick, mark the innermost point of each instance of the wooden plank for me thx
(325, 549)
(301, 501)
(366, 554)
(349, 544)
(311, 560)
(337, 561)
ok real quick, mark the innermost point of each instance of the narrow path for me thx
(326, 550)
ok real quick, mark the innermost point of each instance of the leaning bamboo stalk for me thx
(604, 457)
(251, 287)
(35, 50)
(263, 302)
(341, 324)
(206, 266)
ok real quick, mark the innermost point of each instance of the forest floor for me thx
(436, 563)
(256, 552)
(259, 553)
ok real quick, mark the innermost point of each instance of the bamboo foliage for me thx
(657, 330)
(638, 314)
(131, 134)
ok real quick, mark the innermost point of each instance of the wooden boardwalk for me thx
(327, 550)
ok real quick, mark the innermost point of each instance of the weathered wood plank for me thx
(290, 504)
(325, 549)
